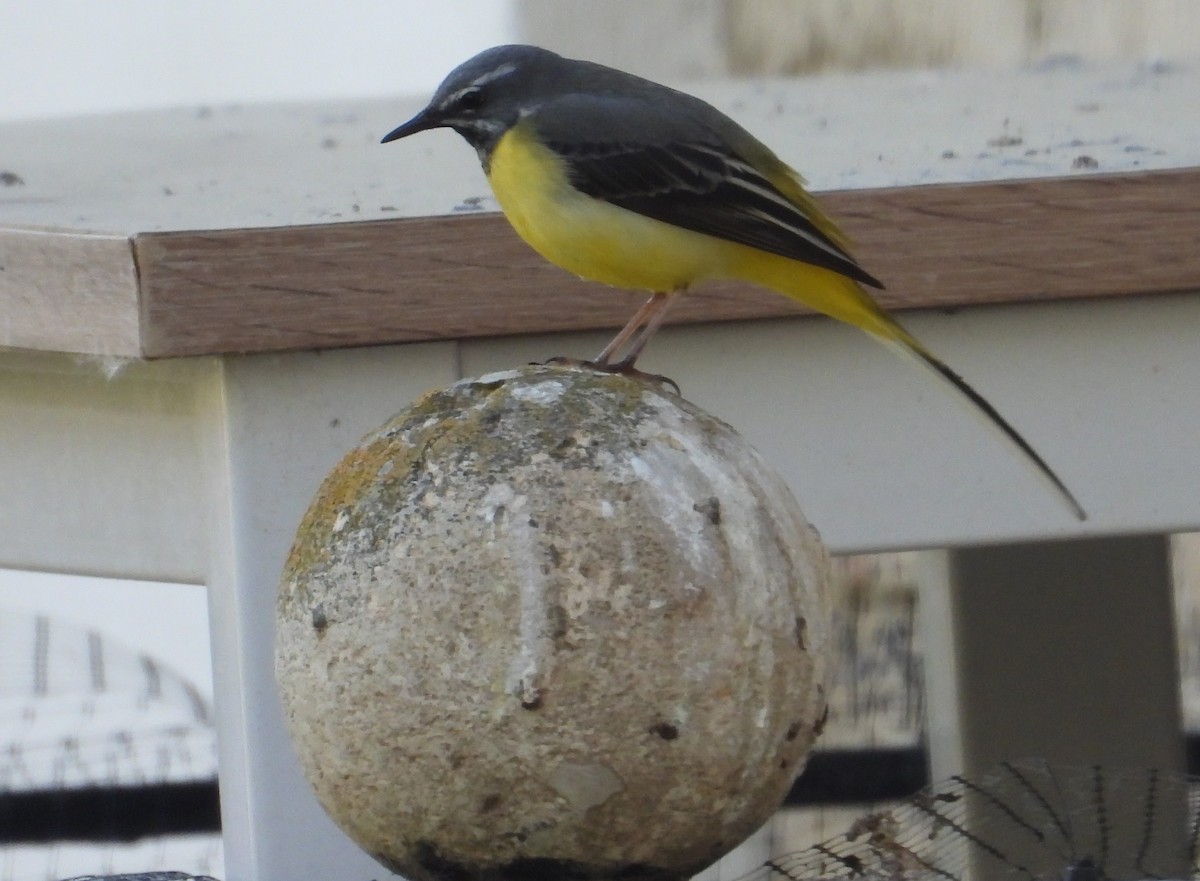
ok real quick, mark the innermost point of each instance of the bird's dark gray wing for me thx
(674, 169)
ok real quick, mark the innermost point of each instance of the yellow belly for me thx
(602, 242)
(591, 238)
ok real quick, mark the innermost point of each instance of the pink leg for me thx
(653, 323)
(649, 317)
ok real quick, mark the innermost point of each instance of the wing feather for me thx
(702, 184)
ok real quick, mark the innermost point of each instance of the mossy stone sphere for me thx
(552, 622)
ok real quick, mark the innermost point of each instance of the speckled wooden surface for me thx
(210, 230)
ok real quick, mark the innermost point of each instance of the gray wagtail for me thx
(627, 182)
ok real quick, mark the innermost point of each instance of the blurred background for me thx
(73, 57)
(106, 753)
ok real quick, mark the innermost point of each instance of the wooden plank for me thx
(68, 291)
(457, 277)
(1057, 238)
(880, 142)
(379, 282)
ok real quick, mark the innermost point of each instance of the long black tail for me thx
(909, 345)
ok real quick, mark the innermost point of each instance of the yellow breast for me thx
(589, 237)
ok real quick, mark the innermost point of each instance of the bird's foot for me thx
(622, 368)
(626, 368)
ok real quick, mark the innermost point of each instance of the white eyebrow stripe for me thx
(451, 99)
(503, 70)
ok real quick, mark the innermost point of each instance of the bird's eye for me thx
(471, 99)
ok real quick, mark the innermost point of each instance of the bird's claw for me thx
(621, 368)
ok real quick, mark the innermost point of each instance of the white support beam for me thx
(274, 426)
(1061, 650)
(881, 457)
(100, 470)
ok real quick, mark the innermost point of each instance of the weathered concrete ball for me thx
(552, 623)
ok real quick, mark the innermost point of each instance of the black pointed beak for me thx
(423, 121)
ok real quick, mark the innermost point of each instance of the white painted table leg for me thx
(1062, 650)
(274, 426)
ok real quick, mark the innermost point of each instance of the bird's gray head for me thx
(484, 97)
